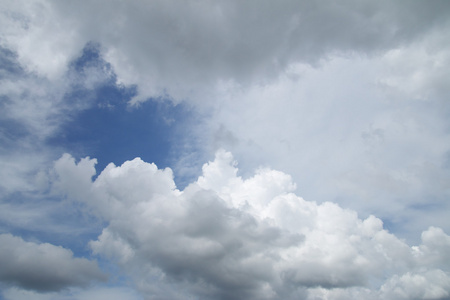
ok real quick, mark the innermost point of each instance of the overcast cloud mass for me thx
(224, 150)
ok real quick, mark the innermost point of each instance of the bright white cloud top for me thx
(337, 113)
(224, 237)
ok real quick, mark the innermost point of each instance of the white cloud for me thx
(344, 138)
(432, 284)
(349, 98)
(27, 25)
(229, 237)
(43, 267)
(33, 109)
(373, 103)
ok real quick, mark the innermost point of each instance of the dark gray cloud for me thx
(43, 267)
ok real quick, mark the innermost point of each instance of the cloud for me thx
(225, 237)
(323, 92)
(347, 137)
(181, 49)
(434, 284)
(43, 267)
(93, 293)
(348, 98)
(34, 108)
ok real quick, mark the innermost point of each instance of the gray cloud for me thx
(378, 67)
(43, 267)
(227, 237)
(349, 98)
(183, 48)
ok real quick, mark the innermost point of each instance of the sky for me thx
(219, 150)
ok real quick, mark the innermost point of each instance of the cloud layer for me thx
(182, 48)
(228, 237)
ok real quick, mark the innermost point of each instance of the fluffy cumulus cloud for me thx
(43, 267)
(325, 92)
(348, 136)
(228, 237)
(348, 97)
(354, 87)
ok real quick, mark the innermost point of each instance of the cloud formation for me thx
(355, 87)
(183, 48)
(33, 109)
(43, 267)
(226, 237)
(349, 98)
(346, 135)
